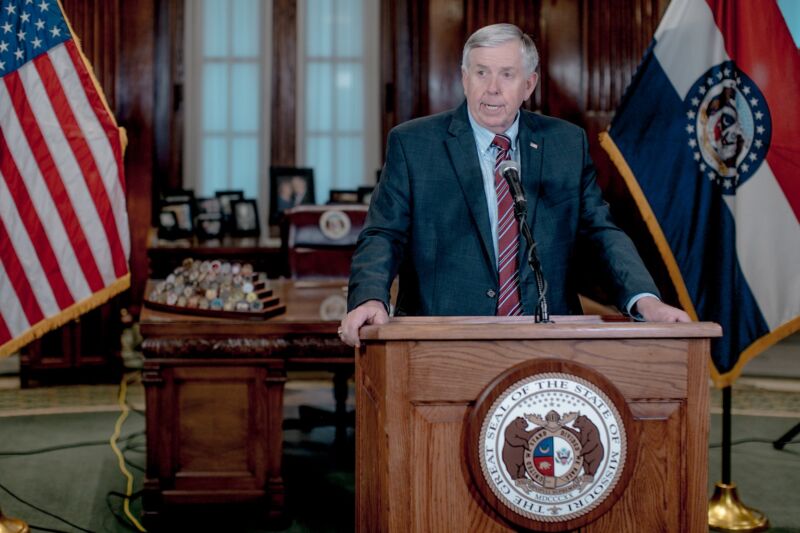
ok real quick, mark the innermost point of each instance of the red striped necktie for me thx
(508, 300)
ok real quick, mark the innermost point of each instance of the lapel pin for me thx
(534, 145)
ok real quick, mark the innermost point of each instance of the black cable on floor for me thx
(42, 528)
(139, 412)
(48, 513)
(132, 446)
(121, 518)
(66, 446)
(138, 449)
(136, 466)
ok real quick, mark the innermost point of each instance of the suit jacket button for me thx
(490, 293)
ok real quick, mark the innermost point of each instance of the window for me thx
(338, 123)
(227, 58)
(228, 83)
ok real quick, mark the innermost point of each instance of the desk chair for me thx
(320, 241)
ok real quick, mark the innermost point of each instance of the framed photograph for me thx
(226, 198)
(168, 226)
(365, 195)
(209, 206)
(208, 226)
(181, 202)
(339, 196)
(183, 214)
(245, 218)
(289, 187)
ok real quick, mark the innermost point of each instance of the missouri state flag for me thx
(707, 138)
(64, 240)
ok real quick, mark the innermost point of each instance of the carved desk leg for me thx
(151, 494)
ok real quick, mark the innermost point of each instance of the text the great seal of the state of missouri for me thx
(552, 447)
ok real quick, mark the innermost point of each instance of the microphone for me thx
(510, 171)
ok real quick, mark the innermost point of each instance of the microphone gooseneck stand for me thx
(520, 211)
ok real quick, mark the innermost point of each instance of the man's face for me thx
(495, 85)
(299, 185)
(285, 189)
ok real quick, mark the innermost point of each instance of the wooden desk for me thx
(214, 393)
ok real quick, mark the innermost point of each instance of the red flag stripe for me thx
(18, 279)
(85, 158)
(103, 117)
(758, 40)
(11, 310)
(21, 157)
(5, 333)
(68, 169)
(102, 134)
(55, 185)
(20, 241)
(30, 219)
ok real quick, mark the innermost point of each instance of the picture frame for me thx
(168, 225)
(209, 226)
(183, 214)
(210, 205)
(181, 202)
(226, 198)
(245, 221)
(289, 187)
(176, 196)
(343, 196)
(365, 194)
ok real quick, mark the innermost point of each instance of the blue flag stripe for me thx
(693, 217)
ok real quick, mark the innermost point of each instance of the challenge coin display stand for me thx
(213, 288)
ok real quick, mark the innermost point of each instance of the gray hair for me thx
(500, 34)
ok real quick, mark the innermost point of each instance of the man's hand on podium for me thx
(654, 310)
(370, 312)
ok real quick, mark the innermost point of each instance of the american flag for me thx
(64, 241)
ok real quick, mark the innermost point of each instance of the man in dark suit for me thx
(440, 214)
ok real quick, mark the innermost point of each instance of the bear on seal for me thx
(591, 447)
(517, 437)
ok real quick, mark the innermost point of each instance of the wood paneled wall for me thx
(168, 114)
(135, 111)
(588, 52)
(284, 83)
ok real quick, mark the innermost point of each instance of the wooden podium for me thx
(421, 381)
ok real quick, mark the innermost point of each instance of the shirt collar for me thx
(484, 137)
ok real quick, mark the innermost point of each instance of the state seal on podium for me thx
(548, 445)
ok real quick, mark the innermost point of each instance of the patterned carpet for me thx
(66, 399)
(762, 397)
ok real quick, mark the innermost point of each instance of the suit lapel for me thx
(464, 156)
(531, 147)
